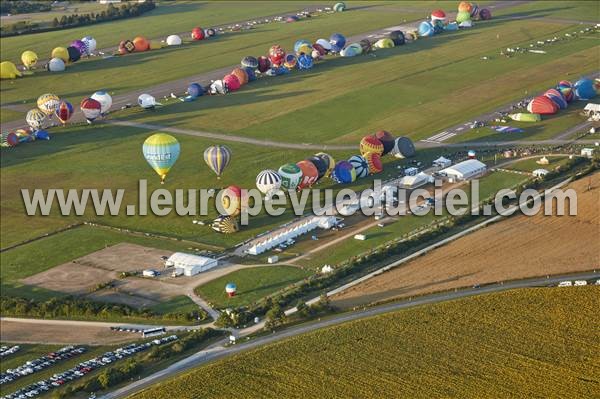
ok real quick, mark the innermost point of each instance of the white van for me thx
(579, 283)
(565, 284)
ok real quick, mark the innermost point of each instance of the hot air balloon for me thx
(323, 43)
(292, 18)
(47, 103)
(62, 53)
(161, 152)
(230, 289)
(56, 65)
(276, 55)
(366, 45)
(126, 46)
(374, 161)
(24, 136)
(36, 119)
(140, 44)
(525, 117)
(147, 101)
(474, 11)
(426, 29)
(218, 87)
(173, 40)
(350, 52)
(9, 139)
(231, 200)
(301, 43)
(290, 61)
(251, 74)
(210, 32)
(566, 88)
(584, 89)
(74, 54)
(195, 90)
(386, 139)
(232, 82)
(156, 45)
(485, 14)
(29, 59)
(264, 64)
(197, 33)
(438, 26)
(241, 75)
(403, 148)
(438, 15)
(291, 175)
(462, 16)
(217, 157)
(471, 154)
(339, 7)
(8, 70)
(397, 37)
(104, 99)
(557, 97)
(542, 105)
(384, 43)
(360, 166)
(64, 111)
(329, 161)
(268, 181)
(371, 144)
(343, 172)
(249, 62)
(225, 224)
(80, 46)
(310, 174)
(465, 6)
(337, 41)
(91, 109)
(320, 164)
(90, 44)
(41, 135)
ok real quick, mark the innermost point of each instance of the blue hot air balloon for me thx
(343, 172)
(584, 89)
(338, 41)
(217, 157)
(195, 90)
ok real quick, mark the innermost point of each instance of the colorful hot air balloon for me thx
(584, 89)
(62, 53)
(329, 161)
(320, 164)
(232, 82)
(557, 97)
(29, 59)
(438, 15)
(140, 44)
(91, 109)
(47, 103)
(542, 105)
(225, 224)
(9, 139)
(465, 6)
(249, 62)
(251, 73)
(324, 44)
(230, 289)
(290, 61)
(36, 119)
(462, 16)
(371, 144)
(197, 33)
(384, 43)
(104, 99)
(276, 55)
(337, 41)
(268, 181)
(474, 11)
(241, 75)
(264, 64)
(126, 46)
(360, 166)
(291, 175)
(374, 161)
(195, 90)
(403, 148)
(90, 44)
(161, 152)
(301, 43)
(426, 29)
(310, 174)
(566, 88)
(386, 139)
(80, 46)
(343, 172)
(231, 200)
(217, 157)
(64, 111)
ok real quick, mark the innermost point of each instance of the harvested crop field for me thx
(125, 257)
(61, 334)
(71, 278)
(516, 248)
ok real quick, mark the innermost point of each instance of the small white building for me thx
(418, 180)
(191, 264)
(273, 259)
(360, 237)
(540, 172)
(587, 152)
(464, 170)
(442, 162)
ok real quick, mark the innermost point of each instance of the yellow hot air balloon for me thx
(29, 59)
(48, 103)
(62, 53)
(161, 151)
(8, 70)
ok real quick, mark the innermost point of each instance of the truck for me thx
(149, 273)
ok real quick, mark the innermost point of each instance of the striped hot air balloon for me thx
(217, 157)
(360, 166)
(225, 225)
(64, 111)
(371, 144)
(36, 119)
(268, 181)
(329, 161)
(161, 151)
(47, 103)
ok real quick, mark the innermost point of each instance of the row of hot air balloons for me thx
(557, 98)
(12, 139)
(140, 43)
(438, 23)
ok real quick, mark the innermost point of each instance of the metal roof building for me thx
(465, 170)
(191, 264)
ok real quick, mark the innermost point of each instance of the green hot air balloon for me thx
(217, 157)
(161, 151)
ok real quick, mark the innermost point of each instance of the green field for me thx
(523, 343)
(529, 165)
(252, 285)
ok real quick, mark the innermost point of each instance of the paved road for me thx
(218, 351)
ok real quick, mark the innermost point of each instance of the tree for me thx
(55, 22)
(275, 317)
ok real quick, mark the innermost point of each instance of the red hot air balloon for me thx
(232, 82)
(64, 111)
(371, 144)
(542, 105)
(197, 33)
(310, 174)
(374, 161)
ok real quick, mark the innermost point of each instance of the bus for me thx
(152, 332)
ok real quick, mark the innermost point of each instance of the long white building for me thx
(191, 264)
(464, 170)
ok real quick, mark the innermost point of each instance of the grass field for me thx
(529, 165)
(252, 284)
(530, 342)
(7, 115)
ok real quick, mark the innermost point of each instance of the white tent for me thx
(442, 162)
(464, 170)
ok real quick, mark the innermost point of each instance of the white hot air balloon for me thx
(147, 101)
(104, 99)
(268, 182)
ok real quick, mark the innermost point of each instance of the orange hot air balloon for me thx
(465, 6)
(241, 75)
(310, 174)
(141, 44)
